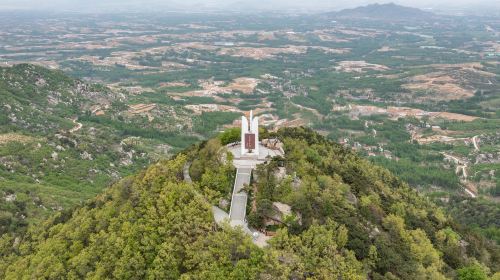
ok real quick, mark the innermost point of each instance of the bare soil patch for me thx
(174, 84)
(245, 85)
(200, 108)
(386, 49)
(210, 88)
(401, 112)
(14, 137)
(261, 53)
(141, 108)
(359, 66)
(438, 86)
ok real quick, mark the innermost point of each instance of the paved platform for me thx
(248, 161)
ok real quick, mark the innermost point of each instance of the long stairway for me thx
(239, 198)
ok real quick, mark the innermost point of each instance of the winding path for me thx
(474, 141)
(463, 165)
(77, 127)
(470, 193)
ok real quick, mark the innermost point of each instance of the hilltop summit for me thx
(383, 11)
(347, 219)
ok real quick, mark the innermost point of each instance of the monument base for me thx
(251, 160)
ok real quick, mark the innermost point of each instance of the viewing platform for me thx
(251, 161)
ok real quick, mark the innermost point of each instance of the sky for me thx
(240, 5)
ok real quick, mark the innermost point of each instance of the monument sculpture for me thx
(250, 135)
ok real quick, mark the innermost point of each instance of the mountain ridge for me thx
(388, 11)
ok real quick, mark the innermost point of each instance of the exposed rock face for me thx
(223, 204)
(86, 156)
(352, 198)
(280, 211)
(10, 197)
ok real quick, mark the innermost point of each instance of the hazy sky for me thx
(242, 5)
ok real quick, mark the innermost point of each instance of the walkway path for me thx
(474, 141)
(462, 164)
(239, 198)
(244, 166)
(470, 193)
(77, 127)
(237, 212)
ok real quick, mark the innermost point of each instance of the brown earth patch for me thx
(386, 49)
(141, 108)
(200, 108)
(449, 81)
(440, 91)
(263, 36)
(14, 137)
(261, 53)
(359, 66)
(331, 50)
(174, 84)
(453, 116)
(332, 38)
(289, 123)
(212, 88)
(245, 85)
(402, 112)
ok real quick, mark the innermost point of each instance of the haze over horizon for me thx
(234, 5)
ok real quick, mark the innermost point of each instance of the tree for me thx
(472, 272)
(230, 135)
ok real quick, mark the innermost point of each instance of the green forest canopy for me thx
(155, 226)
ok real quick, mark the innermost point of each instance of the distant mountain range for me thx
(388, 11)
(245, 6)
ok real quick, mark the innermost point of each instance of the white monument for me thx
(250, 136)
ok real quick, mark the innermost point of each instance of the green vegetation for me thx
(350, 219)
(480, 214)
(209, 122)
(126, 129)
(339, 185)
(472, 272)
(418, 175)
(357, 221)
(231, 135)
(392, 136)
(45, 166)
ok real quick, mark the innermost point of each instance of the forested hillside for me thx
(63, 140)
(353, 220)
(49, 161)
